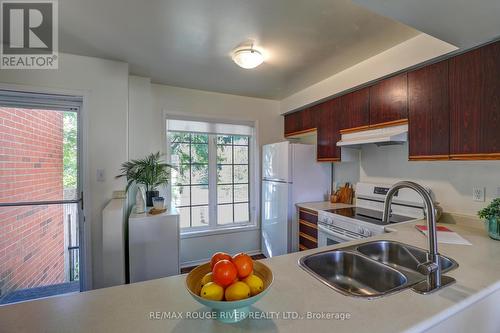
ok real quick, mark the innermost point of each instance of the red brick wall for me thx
(31, 168)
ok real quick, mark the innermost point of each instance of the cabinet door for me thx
(389, 100)
(308, 229)
(329, 119)
(300, 122)
(428, 113)
(355, 109)
(292, 121)
(475, 104)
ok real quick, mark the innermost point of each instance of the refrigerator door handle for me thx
(275, 180)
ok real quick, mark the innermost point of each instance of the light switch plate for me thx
(478, 194)
(100, 175)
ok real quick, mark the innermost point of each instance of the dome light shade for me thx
(248, 58)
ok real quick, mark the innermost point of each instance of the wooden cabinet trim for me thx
(336, 159)
(354, 129)
(490, 156)
(309, 224)
(310, 238)
(309, 130)
(390, 123)
(429, 158)
(375, 126)
(308, 211)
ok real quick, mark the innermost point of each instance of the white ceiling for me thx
(464, 23)
(187, 43)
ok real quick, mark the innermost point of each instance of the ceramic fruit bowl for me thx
(228, 311)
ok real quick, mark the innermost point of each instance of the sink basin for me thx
(401, 256)
(353, 274)
(372, 269)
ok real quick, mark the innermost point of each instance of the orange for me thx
(217, 257)
(224, 273)
(244, 264)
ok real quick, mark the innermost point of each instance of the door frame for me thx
(85, 222)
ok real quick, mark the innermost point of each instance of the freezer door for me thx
(275, 218)
(275, 161)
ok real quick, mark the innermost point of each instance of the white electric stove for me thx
(364, 219)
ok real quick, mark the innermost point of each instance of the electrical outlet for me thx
(478, 194)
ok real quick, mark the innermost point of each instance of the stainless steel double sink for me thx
(372, 269)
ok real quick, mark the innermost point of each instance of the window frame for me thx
(253, 185)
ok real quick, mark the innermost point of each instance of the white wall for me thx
(105, 85)
(450, 181)
(409, 53)
(146, 128)
(199, 103)
(145, 131)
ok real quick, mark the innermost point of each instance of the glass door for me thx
(41, 220)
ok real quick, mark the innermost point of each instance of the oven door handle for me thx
(339, 232)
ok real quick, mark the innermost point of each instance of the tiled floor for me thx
(33, 293)
(185, 270)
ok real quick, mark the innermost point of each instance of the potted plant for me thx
(491, 215)
(150, 171)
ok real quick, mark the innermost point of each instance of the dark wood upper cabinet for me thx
(428, 113)
(475, 104)
(389, 100)
(452, 108)
(329, 120)
(355, 109)
(300, 122)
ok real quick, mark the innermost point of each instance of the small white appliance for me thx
(364, 219)
(290, 174)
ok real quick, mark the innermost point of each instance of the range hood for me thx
(379, 136)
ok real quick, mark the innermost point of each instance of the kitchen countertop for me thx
(127, 308)
(321, 205)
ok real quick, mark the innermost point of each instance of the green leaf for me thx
(151, 171)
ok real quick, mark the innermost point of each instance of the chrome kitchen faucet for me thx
(431, 268)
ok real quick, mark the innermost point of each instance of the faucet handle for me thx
(427, 268)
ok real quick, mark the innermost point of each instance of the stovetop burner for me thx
(368, 215)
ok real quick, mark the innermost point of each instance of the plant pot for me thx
(493, 227)
(149, 197)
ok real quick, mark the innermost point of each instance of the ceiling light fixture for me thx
(248, 58)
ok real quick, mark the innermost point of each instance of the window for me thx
(232, 179)
(212, 185)
(189, 152)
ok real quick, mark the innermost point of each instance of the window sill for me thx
(217, 231)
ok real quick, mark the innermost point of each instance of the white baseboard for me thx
(202, 261)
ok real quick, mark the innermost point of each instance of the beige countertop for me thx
(127, 308)
(321, 205)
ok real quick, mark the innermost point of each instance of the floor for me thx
(185, 270)
(39, 292)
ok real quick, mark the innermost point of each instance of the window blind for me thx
(177, 125)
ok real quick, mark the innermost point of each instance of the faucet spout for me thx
(431, 268)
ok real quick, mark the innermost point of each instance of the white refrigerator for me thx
(290, 175)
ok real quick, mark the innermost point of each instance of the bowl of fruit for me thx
(229, 285)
